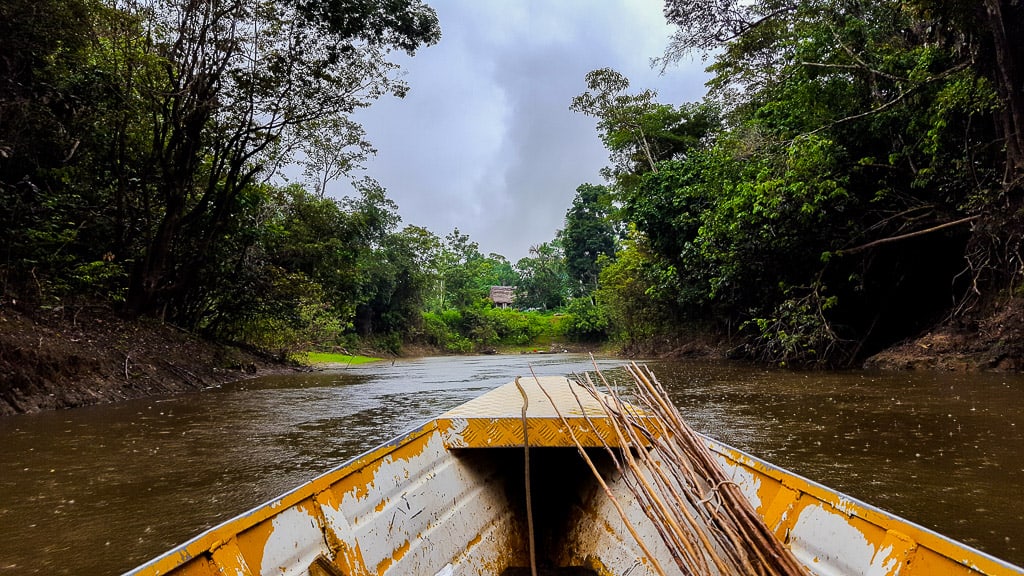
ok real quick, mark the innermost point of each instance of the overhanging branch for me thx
(891, 239)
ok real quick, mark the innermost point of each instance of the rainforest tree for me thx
(888, 121)
(543, 280)
(589, 234)
(243, 83)
(141, 143)
(852, 176)
(927, 94)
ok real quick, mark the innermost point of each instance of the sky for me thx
(485, 141)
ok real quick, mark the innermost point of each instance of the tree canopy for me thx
(853, 175)
(588, 236)
(139, 141)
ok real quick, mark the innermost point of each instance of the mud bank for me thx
(994, 340)
(61, 360)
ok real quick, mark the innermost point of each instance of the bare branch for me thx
(893, 102)
(863, 65)
(891, 239)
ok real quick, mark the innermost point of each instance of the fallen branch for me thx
(891, 239)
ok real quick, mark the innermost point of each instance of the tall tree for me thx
(495, 270)
(456, 266)
(620, 115)
(243, 80)
(588, 235)
(632, 297)
(934, 85)
(333, 148)
(638, 131)
(398, 279)
(543, 282)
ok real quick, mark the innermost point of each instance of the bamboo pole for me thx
(526, 473)
(701, 515)
(601, 481)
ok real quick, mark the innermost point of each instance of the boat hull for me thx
(448, 498)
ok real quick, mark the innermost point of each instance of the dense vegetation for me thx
(142, 147)
(853, 177)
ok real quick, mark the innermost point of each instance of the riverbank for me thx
(53, 360)
(989, 339)
(65, 359)
(993, 340)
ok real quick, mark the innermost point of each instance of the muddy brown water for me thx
(99, 490)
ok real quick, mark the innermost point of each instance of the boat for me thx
(450, 498)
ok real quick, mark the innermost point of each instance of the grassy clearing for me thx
(333, 358)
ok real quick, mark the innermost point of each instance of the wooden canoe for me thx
(447, 498)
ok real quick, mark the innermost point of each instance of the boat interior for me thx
(563, 493)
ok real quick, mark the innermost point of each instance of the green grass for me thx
(333, 358)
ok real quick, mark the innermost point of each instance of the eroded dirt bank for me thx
(59, 360)
(988, 339)
(993, 341)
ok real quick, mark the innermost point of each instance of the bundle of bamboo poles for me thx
(703, 519)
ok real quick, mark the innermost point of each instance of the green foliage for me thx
(586, 322)
(456, 264)
(288, 314)
(394, 285)
(440, 333)
(854, 141)
(589, 234)
(482, 327)
(633, 296)
(638, 131)
(133, 137)
(69, 120)
(218, 125)
(136, 146)
(99, 280)
(495, 270)
(543, 281)
(511, 327)
(797, 332)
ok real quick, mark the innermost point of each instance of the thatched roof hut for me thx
(502, 296)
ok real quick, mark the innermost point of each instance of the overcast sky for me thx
(485, 141)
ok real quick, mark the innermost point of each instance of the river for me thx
(98, 490)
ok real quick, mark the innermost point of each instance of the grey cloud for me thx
(485, 140)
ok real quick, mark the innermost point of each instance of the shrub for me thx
(440, 333)
(585, 321)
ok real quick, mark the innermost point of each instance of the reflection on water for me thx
(98, 490)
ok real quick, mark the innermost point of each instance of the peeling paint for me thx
(382, 568)
(749, 482)
(832, 544)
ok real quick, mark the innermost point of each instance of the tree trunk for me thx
(1005, 20)
(153, 275)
